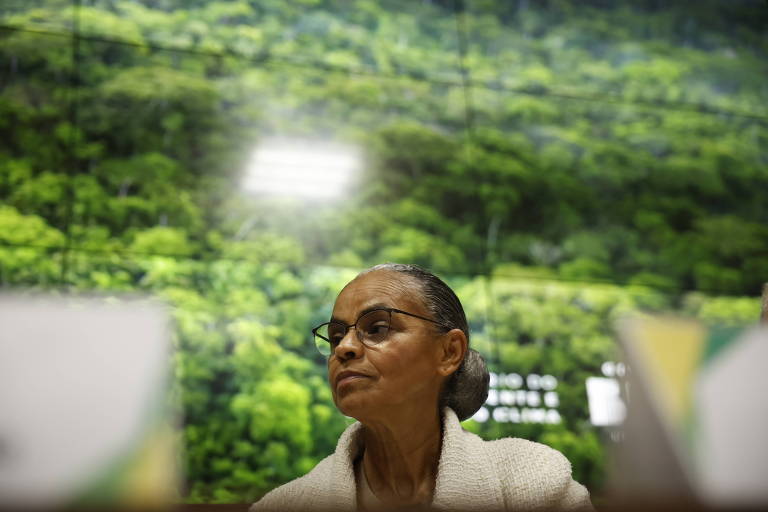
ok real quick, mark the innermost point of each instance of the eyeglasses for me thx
(372, 327)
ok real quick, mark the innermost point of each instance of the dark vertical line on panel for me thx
(486, 265)
(461, 37)
(493, 223)
(495, 362)
(71, 159)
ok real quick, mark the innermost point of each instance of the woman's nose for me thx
(349, 347)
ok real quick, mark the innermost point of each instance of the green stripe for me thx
(719, 338)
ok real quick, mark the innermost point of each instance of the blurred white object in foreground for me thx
(698, 415)
(731, 444)
(83, 401)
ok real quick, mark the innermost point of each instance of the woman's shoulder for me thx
(529, 457)
(531, 471)
(515, 455)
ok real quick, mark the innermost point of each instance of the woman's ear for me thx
(452, 350)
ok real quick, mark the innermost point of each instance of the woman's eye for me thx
(377, 329)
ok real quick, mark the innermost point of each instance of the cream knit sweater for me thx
(476, 475)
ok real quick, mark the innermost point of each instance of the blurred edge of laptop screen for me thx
(85, 410)
(697, 422)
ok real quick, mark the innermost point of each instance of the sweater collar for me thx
(466, 479)
(465, 476)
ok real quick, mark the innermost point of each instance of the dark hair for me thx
(467, 389)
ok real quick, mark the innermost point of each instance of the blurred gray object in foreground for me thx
(83, 395)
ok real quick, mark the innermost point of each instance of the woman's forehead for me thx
(385, 288)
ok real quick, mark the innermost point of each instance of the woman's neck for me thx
(401, 459)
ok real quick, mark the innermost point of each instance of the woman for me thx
(399, 362)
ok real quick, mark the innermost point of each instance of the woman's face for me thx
(398, 376)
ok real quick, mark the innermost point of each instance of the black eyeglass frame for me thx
(359, 336)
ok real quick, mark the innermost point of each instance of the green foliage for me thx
(27, 245)
(162, 240)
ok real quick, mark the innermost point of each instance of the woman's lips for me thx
(346, 379)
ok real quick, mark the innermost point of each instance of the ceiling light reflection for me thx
(301, 168)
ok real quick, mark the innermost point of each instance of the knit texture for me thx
(472, 475)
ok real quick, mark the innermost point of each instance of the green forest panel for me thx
(607, 164)
(39, 15)
(36, 119)
(188, 125)
(29, 267)
(396, 37)
(662, 53)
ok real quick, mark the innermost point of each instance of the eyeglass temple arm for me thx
(394, 310)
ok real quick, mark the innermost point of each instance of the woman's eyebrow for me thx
(373, 307)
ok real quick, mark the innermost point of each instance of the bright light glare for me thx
(300, 168)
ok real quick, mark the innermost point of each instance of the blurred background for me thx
(559, 163)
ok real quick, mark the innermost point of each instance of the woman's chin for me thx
(352, 406)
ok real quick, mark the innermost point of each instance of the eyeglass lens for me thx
(371, 328)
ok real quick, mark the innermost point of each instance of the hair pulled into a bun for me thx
(467, 389)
